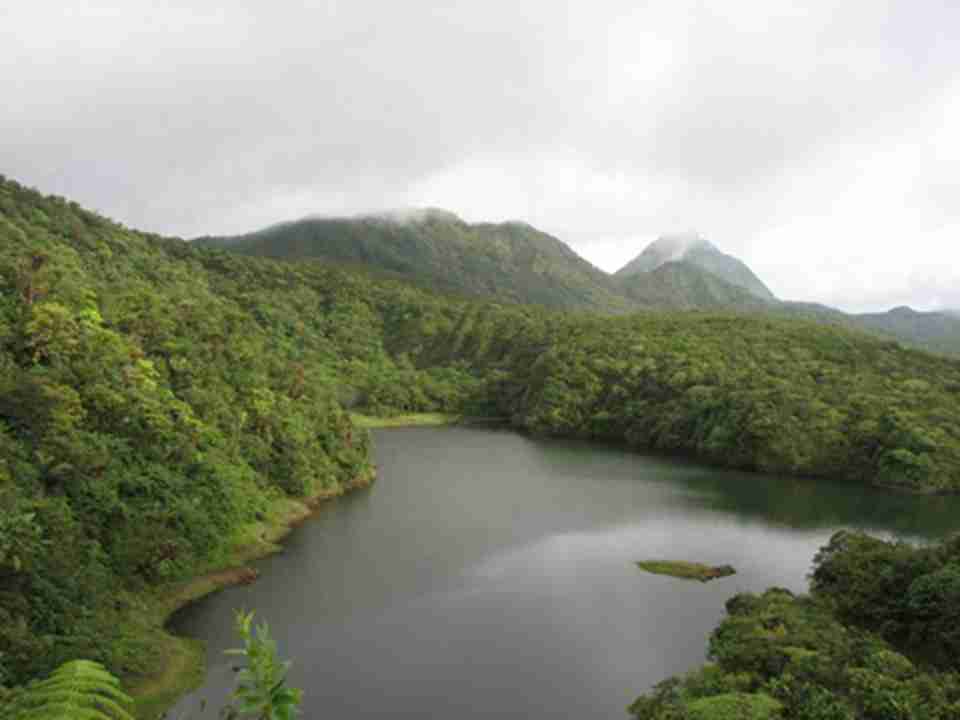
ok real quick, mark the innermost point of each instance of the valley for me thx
(160, 400)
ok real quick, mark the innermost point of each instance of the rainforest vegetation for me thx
(85, 690)
(515, 262)
(156, 398)
(877, 638)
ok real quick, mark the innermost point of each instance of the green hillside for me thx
(681, 285)
(146, 420)
(934, 331)
(157, 399)
(508, 261)
(514, 262)
(695, 252)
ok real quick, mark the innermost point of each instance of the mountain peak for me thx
(696, 250)
(414, 216)
(665, 249)
(903, 311)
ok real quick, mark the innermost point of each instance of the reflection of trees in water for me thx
(811, 504)
(802, 503)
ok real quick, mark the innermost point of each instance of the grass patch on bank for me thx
(411, 420)
(686, 570)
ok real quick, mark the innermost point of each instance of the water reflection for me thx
(491, 575)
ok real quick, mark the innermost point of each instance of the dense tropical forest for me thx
(157, 399)
(877, 638)
(515, 262)
(145, 421)
(509, 261)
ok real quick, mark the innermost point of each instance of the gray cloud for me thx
(815, 140)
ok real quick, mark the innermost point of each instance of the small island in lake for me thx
(686, 570)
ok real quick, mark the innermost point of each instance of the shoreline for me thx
(181, 666)
(372, 422)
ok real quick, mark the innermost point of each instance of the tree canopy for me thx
(156, 397)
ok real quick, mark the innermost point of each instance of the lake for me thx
(488, 574)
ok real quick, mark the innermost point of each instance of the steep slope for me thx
(515, 262)
(688, 272)
(156, 398)
(682, 285)
(508, 261)
(148, 420)
(696, 251)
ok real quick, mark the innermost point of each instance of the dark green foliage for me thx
(909, 595)
(877, 639)
(510, 261)
(773, 395)
(777, 655)
(514, 262)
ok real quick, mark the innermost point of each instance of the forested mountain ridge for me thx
(514, 262)
(155, 396)
(937, 331)
(509, 261)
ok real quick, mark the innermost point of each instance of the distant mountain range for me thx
(515, 262)
(511, 261)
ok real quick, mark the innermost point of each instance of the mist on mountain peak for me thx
(674, 247)
(693, 248)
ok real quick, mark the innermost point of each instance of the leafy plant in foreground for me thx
(261, 692)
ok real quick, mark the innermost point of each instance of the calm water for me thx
(490, 575)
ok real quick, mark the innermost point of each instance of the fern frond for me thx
(77, 690)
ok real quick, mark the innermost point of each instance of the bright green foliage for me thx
(735, 706)
(77, 690)
(686, 570)
(261, 692)
(149, 409)
(155, 396)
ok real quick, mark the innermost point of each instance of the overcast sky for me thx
(818, 141)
